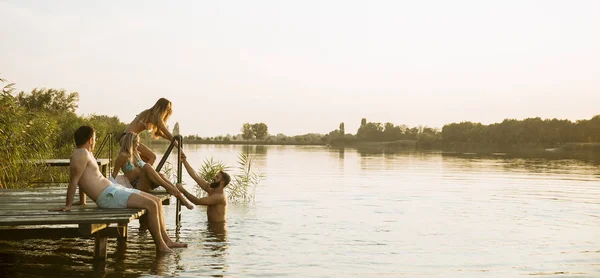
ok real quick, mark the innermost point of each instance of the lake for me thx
(323, 212)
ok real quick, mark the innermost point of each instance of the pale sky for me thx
(305, 66)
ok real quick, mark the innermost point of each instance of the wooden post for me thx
(100, 250)
(122, 232)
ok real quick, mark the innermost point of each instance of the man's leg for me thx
(154, 224)
(163, 225)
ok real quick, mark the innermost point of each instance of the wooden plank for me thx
(40, 233)
(75, 216)
(89, 229)
(58, 233)
(16, 221)
(65, 161)
(75, 211)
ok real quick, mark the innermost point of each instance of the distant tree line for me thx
(532, 131)
(388, 132)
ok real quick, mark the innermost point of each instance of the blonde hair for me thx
(127, 146)
(161, 111)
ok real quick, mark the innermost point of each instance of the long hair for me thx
(127, 146)
(161, 111)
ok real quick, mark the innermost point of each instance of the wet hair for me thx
(127, 145)
(83, 134)
(160, 112)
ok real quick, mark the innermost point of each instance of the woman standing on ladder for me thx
(154, 120)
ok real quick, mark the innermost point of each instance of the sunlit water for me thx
(325, 212)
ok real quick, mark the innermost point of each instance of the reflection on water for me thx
(352, 213)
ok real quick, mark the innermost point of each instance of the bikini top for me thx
(128, 167)
(142, 123)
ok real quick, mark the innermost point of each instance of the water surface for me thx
(325, 212)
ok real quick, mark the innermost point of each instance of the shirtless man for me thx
(86, 174)
(216, 201)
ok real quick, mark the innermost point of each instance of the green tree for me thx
(247, 132)
(342, 130)
(23, 136)
(176, 129)
(49, 100)
(260, 131)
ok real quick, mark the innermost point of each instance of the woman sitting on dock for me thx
(153, 119)
(140, 174)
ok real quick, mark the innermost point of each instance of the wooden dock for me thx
(24, 214)
(103, 163)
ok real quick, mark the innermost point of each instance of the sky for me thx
(306, 66)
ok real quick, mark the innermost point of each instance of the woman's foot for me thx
(177, 245)
(184, 201)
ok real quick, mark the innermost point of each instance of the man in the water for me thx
(216, 201)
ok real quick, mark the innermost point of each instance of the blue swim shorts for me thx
(115, 196)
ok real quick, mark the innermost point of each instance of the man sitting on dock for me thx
(216, 201)
(86, 174)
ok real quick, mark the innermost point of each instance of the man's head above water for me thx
(221, 178)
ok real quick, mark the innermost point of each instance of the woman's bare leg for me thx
(149, 176)
(146, 154)
(154, 224)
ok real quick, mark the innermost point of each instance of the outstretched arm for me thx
(164, 131)
(204, 201)
(78, 164)
(201, 182)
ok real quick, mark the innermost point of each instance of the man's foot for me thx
(177, 245)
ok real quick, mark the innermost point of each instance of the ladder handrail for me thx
(161, 163)
(108, 137)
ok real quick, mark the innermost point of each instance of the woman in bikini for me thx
(154, 120)
(140, 174)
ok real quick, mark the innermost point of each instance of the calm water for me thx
(325, 212)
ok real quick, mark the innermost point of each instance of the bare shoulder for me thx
(79, 154)
(222, 197)
(122, 155)
(80, 157)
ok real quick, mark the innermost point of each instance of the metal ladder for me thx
(107, 138)
(179, 140)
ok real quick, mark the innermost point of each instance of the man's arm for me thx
(82, 200)
(78, 164)
(201, 182)
(215, 199)
(188, 195)
(205, 201)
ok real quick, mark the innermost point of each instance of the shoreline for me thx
(566, 148)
